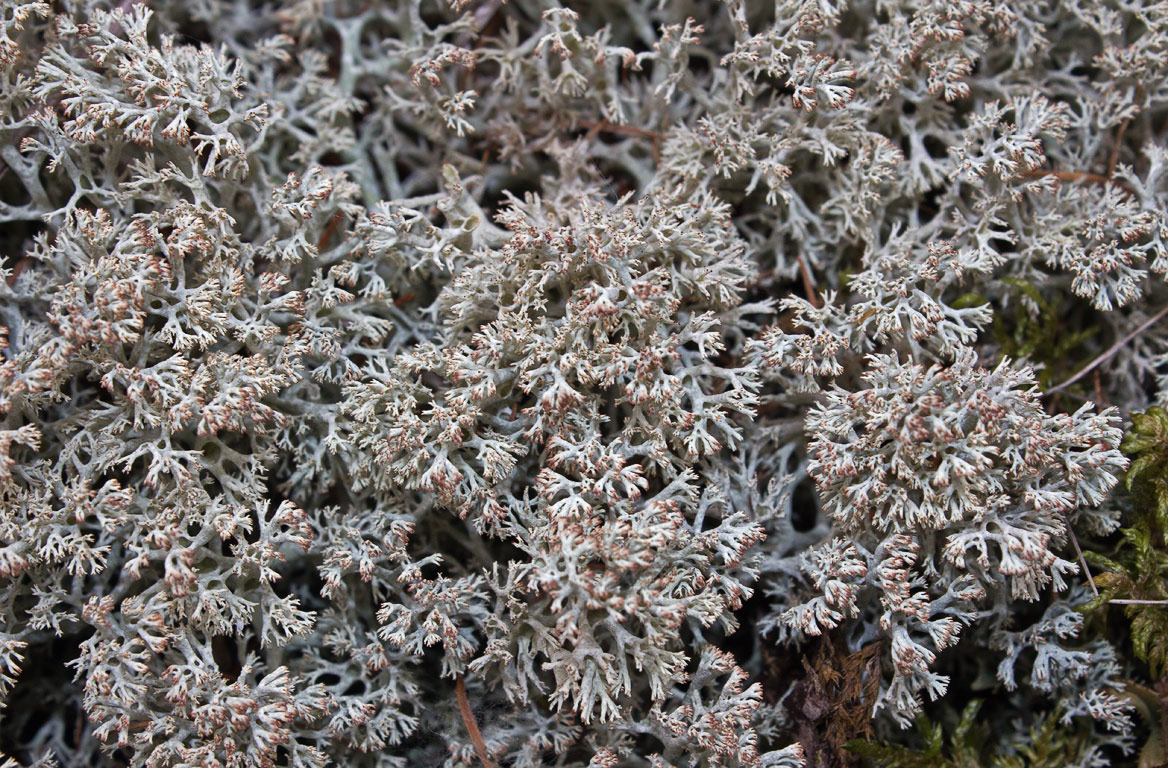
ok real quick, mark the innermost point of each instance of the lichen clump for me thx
(668, 385)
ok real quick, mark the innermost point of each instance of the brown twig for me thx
(1093, 178)
(1099, 401)
(472, 727)
(763, 275)
(486, 20)
(808, 282)
(1113, 158)
(329, 229)
(624, 130)
(17, 268)
(1110, 351)
(1079, 552)
(593, 130)
(79, 729)
(1068, 176)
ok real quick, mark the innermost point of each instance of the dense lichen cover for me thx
(663, 384)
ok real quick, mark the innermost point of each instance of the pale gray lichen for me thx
(356, 353)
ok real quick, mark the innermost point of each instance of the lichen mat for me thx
(656, 385)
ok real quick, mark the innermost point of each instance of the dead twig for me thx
(808, 282)
(329, 229)
(17, 268)
(1079, 552)
(1113, 158)
(472, 727)
(1110, 351)
(763, 275)
(1072, 176)
(624, 130)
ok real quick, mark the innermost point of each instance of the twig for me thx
(1138, 602)
(808, 282)
(1094, 178)
(484, 15)
(624, 130)
(472, 727)
(329, 229)
(763, 275)
(17, 268)
(1113, 159)
(79, 730)
(1079, 552)
(485, 22)
(594, 129)
(1110, 351)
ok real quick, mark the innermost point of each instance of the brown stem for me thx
(329, 229)
(1068, 176)
(487, 21)
(1099, 389)
(1110, 351)
(624, 130)
(1094, 178)
(1079, 552)
(1113, 159)
(472, 727)
(593, 129)
(17, 268)
(79, 730)
(763, 275)
(808, 282)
